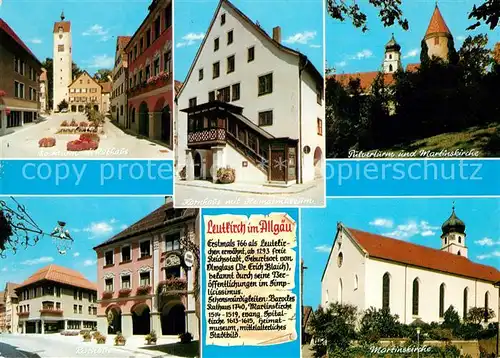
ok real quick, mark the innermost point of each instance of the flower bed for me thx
(84, 124)
(64, 124)
(85, 137)
(73, 123)
(226, 175)
(84, 143)
(47, 142)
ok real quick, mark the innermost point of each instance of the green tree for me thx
(102, 75)
(48, 65)
(452, 52)
(475, 58)
(451, 319)
(93, 115)
(488, 12)
(477, 315)
(62, 105)
(75, 70)
(333, 328)
(424, 54)
(377, 324)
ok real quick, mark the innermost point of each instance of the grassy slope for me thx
(473, 138)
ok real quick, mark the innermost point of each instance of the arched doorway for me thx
(173, 319)
(144, 119)
(318, 162)
(96, 107)
(114, 317)
(73, 108)
(197, 165)
(131, 117)
(141, 319)
(166, 125)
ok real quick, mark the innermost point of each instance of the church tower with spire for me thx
(62, 61)
(453, 237)
(392, 59)
(438, 36)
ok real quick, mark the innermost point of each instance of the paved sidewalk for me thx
(248, 188)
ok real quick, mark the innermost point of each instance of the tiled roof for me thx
(10, 288)
(150, 222)
(412, 67)
(366, 78)
(386, 248)
(59, 274)
(437, 24)
(66, 26)
(106, 86)
(123, 41)
(6, 28)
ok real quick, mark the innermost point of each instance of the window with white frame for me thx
(126, 254)
(172, 242)
(145, 248)
(108, 285)
(126, 281)
(145, 278)
(108, 258)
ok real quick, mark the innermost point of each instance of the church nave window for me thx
(415, 298)
(386, 287)
(441, 300)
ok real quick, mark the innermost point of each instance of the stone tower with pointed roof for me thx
(392, 59)
(62, 61)
(453, 237)
(438, 36)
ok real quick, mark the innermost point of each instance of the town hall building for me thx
(413, 281)
(252, 104)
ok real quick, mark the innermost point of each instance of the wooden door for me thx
(278, 165)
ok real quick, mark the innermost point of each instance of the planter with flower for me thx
(100, 339)
(124, 292)
(47, 142)
(107, 294)
(143, 290)
(161, 80)
(120, 340)
(73, 123)
(173, 284)
(96, 334)
(226, 175)
(151, 338)
(182, 173)
(186, 337)
(83, 124)
(64, 124)
(87, 337)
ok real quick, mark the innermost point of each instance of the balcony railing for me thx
(51, 311)
(207, 136)
(172, 285)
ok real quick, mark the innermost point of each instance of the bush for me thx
(87, 337)
(151, 338)
(226, 175)
(120, 339)
(47, 142)
(186, 337)
(78, 145)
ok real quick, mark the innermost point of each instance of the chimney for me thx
(277, 34)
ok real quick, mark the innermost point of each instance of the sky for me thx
(93, 28)
(90, 221)
(350, 50)
(301, 26)
(415, 220)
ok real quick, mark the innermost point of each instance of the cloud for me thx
(412, 53)
(5, 269)
(301, 37)
(97, 30)
(190, 39)
(341, 64)
(487, 242)
(461, 38)
(99, 228)
(487, 256)
(40, 260)
(76, 254)
(35, 41)
(323, 248)
(412, 228)
(315, 46)
(123, 227)
(361, 55)
(101, 61)
(381, 222)
(89, 262)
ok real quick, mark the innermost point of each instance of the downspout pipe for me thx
(303, 62)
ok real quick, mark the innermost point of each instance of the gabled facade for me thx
(19, 81)
(119, 112)
(146, 280)
(250, 103)
(150, 92)
(11, 303)
(413, 281)
(84, 90)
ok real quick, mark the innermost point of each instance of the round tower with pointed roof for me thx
(438, 36)
(392, 59)
(453, 236)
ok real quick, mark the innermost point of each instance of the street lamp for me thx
(418, 342)
(18, 229)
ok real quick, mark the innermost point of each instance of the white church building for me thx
(412, 281)
(250, 103)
